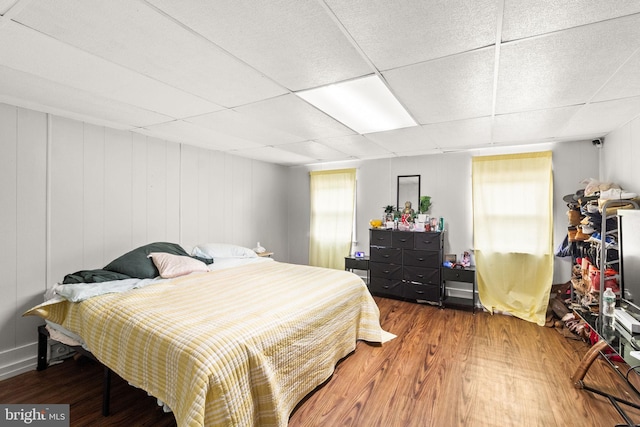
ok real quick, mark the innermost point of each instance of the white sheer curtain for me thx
(513, 232)
(332, 208)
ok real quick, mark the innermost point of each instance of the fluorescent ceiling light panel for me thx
(365, 105)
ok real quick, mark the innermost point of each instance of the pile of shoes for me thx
(579, 227)
(561, 318)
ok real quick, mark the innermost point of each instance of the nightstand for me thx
(465, 275)
(266, 254)
(353, 263)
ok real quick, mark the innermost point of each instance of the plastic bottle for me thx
(609, 304)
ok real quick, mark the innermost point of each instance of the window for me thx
(513, 232)
(332, 212)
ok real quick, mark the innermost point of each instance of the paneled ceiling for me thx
(222, 74)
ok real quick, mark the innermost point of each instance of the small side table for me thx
(467, 275)
(266, 254)
(353, 263)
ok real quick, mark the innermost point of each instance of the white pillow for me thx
(222, 250)
(171, 266)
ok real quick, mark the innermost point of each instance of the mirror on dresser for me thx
(408, 190)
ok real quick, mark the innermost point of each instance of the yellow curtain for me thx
(513, 232)
(332, 205)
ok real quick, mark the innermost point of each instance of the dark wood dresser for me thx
(406, 265)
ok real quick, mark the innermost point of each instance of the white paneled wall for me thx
(30, 222)
(621, 157)
(23, 153)
(75, 196)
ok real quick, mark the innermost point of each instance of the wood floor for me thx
(446, 368)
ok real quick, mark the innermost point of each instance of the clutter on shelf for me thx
(407, 219)
(592, 244)
(592, 232)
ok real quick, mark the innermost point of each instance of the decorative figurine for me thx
(407, 213)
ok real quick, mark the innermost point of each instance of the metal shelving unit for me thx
(604, 248)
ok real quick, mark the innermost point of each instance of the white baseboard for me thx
(18, 360)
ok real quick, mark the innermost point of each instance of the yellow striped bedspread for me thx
(234, 347)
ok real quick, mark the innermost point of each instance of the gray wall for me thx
(75, 196)
(447, 179)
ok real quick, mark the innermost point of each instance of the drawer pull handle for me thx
(403, 240)
(385, 256)
(421, 276)
(420, 259)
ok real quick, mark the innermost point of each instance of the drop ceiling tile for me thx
(233, 123)
(5, 5)
(189, 133)
(603, 117)
(275, 155)
(290, 114)
(526, 18)
(142, 39)
(131, 65)
(452, 88)
(403, 140)
(563, 68)
(461, 133)
(295, 42)
(624, 83)
(32, 52)
(358, 146)
(414, 153)
(532, 125)
(399, 33)
(315, 150)
(29, 91)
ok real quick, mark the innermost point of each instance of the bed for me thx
(238, 342)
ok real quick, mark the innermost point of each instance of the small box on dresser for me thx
(406, 265)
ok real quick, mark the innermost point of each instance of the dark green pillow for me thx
(137, 263)
(93, 276)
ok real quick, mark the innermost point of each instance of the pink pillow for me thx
(170, 265)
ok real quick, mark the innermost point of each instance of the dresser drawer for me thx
(416, 291)
(402, 239)
(428, 241)
(422, 275)
(385, 271)
(380, 238)
(458, 275)
(386, 255)
(417, 258)
(387, 287)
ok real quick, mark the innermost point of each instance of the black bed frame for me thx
(43, 336)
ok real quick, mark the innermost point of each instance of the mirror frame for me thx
(414, 198)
